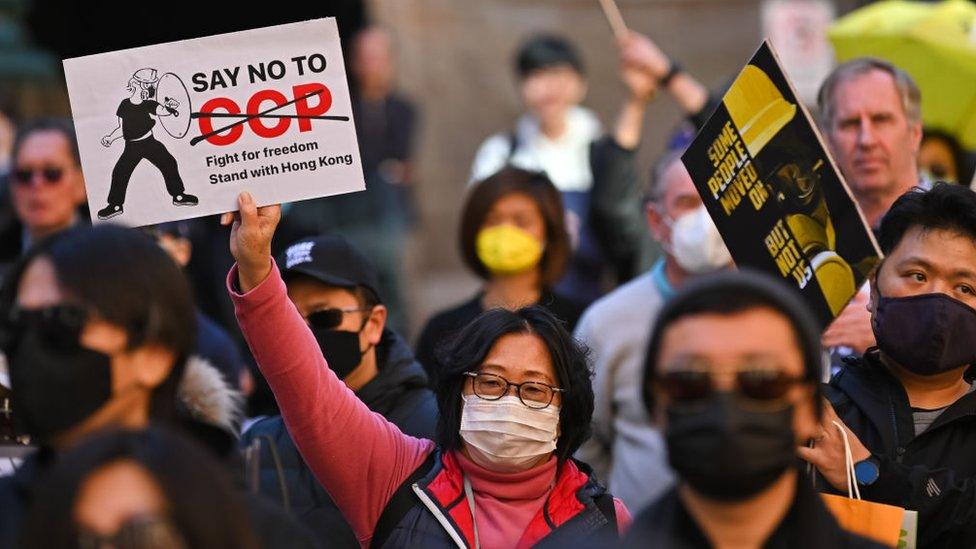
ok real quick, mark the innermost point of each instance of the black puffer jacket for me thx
(933, 473)
(399, 393)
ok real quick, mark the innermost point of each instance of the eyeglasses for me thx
(759, 384)
(143, 532)
(328, 319)
(533, 394)
(60, 326)
(49, 175)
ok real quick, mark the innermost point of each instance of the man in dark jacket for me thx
(334, 287)
(909, 401)
(735, 405)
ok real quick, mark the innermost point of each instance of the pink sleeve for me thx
(623, 516)
(357, 456)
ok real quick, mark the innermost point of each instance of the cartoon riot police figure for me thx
(135, 125)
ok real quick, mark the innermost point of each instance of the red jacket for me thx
(577, 508)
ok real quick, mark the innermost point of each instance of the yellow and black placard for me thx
(775, 194)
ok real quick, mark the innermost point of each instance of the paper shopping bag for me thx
(877, 521)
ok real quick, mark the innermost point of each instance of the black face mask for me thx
(340, 349)
(926, 334)
(55, 385)
(726, 451)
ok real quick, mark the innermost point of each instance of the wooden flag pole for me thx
(616, 20)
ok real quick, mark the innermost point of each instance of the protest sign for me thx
(776, 195)
(178, 130)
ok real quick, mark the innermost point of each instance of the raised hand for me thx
(250, 239)
(641, 52)
(634, 70)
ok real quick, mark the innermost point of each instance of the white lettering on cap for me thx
(298, 254)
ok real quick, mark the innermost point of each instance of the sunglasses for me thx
(59, 326)
(50, 176)
(759, 384)
(329, 319)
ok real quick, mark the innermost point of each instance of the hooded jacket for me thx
(398, 392)
(934, 472)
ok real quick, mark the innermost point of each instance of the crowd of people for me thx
(615, 381)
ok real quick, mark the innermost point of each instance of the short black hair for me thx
(125, 277)
(730, 293)
(468, 349)
(59, 125)
(946, 206)
(546, 50)
(201, 501)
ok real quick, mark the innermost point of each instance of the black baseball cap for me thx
(330, 259)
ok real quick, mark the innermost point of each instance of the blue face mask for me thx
(926, 334)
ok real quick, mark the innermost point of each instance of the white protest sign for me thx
(178, 130)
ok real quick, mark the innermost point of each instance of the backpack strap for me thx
(604, 502)
(402, 501)
(513, 145)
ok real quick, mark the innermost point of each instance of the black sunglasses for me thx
(59, 326)
(760, 384)
(24, 176)
(328, 319)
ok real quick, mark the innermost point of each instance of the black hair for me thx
(201, 501)
(960, 158)
(129, 281)
(546, 50)
(946, 206)
(730, 293)
(62, 126)
(467, 351)
(366, 297)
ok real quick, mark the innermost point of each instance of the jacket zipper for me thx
(899, 450)
(444, 522)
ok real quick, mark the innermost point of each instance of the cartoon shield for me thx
(171, 87)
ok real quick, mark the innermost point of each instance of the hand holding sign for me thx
(252, 229)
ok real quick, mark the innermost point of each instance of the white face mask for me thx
(505, 435)
(696, 243)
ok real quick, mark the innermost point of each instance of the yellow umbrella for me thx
(933, 42)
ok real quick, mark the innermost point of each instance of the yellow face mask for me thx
(507, 249)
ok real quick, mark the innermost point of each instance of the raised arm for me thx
(357, 456)
(616, 213)
(690, 94)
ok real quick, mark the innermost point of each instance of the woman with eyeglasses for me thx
(515, 402)
(149, 489)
